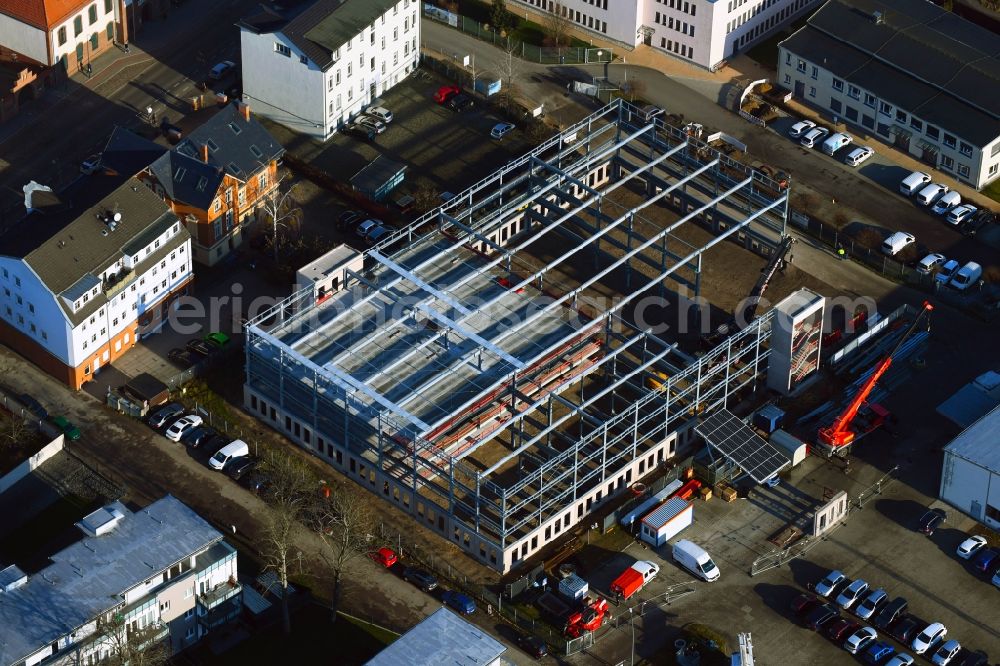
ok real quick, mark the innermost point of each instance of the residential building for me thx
(217, 180)
(970, 475)
(442, 638)
(87, 272)
(161, 573)
(315, 68)
(907, 71)
(67, 33)
(21, 80)
(703, 32)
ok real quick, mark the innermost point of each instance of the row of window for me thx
(676, 47)
(584, 19)
(681, 26)
(771, 21)
(683, 6)
(78, 21)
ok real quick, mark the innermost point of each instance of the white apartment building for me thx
(315, 68)
(161, 573)
(87, 272)
(704, 32)
(66, 32)
(907, 71)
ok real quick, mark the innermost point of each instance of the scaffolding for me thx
(485, 371)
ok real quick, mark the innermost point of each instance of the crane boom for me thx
(839, 433)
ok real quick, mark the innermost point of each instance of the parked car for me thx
(821, 616)
(182, 425)
(422, 579)
(500, 130)
(872, 604)
(945, 652)
(804, 603)
(860, 639)
(914, 183)
(380, 113)
(446, 92)
(348, 219)
(182, 358)
(931, 193)
(533, 646)
(971, 546)
(209, 445)
(237, 468)
(879, 652)
(196, 436)
(33, 405)
(838, 630)
(946, 202)
(901, 659)
(986, 559)
(366, 226)
(66, 426)
(830, 582)
(892, 612)
(927, 639)
(906, 628)
(800, 128)
(814, 137)
(947, 271)
(462, 603)
(385, 556)
(930, 521)
(231, 451)
(852, 593)
(165, 414)
(966, 276)
(966, 657)
(371, 122)
(859, 155)
(971, 225)
(220, 340)
(930, 263)
(959, 214)
(221, 69)
(897, 242)
(200, 347)
(460, 102)
(90, 165)
(376, 235)
(360, 132)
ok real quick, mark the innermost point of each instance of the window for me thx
(901, 116)
(870, 100)
(218, 205)
(812, 91)
(932, 132)
(964, 148)
(395, 34)
(854, 91)
(304, 60)
(92, 14)
(963, 170)
(838, 85)
(110, 31)
(993, 170)
(950, 141)
(373, 64)
(262, 180)
(282, 49)
(77, 26)
(916, 124)
(885, 109)
(62, 35)
(788, 61)
(348, 69)
(947, 163)
(815, 72)
(107, 6)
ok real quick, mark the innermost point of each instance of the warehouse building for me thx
(970, 478)
(473, 376)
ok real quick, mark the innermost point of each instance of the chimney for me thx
(204, 153)
(245, 110)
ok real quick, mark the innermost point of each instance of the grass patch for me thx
(993, 190)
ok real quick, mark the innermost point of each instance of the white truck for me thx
(693, 557)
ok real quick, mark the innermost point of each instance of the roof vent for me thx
(878, 17)
(101, 521)
(11, 578)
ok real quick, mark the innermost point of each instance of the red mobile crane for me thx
(839, 434)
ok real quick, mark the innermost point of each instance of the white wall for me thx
(17, 280)
(69, 48)
(23, 38)
(963, 483)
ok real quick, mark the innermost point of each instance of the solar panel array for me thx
(734, 439)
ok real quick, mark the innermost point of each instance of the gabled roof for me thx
(913, 54)
(42, 14)
(236, 146)
(127, 153)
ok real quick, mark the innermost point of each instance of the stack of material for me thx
(727, 493)
(706, 493)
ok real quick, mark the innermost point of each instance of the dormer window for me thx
(179, 174)
(213, 146)
(236, 128)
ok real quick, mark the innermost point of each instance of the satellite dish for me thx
(117, 217)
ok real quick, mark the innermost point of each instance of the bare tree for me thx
(509, 70)
(15, 429)
(557, 25)
(282, 211)
(344, 522)
(288, 497)
(132, 646)
(634, 88)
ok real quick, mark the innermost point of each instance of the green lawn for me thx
(993, 190)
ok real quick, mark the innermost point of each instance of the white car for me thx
(931, 193)
(90, 165)
(947, 201)
(221, 69)
(944, 654)
(381, 113)
(500, 130)
(852, 593)
(371, 122)
(825, 587)
(800, 128)
(814, 137)
(181, 426)
(929, 263)
(859, 155)
(872, 604)
(929, 637)
(960, 214)
(901, 659)
(948, 269)
(971, 546)
(860, 639)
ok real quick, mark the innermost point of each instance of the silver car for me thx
(831, 582)
(872, 604)
(852, 593)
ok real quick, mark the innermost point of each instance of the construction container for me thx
(642, 508)
(666, 521)
(573, 587)
(768, 418)
(790, 446)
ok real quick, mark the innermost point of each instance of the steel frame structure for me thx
(472, 375)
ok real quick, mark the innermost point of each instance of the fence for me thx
(545, 55)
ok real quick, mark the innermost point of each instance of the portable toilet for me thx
(666, 521)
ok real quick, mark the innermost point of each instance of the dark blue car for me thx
(463, 603)
(986, 560)
(879, 652)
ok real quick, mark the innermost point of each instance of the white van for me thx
(966, 276)
(914, 183)
(693, 557)
(234, 449)
(895, 243)
(836, 142)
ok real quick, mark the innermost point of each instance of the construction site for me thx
(513, 360)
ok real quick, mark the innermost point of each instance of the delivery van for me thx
(693, 557)
(235, 449)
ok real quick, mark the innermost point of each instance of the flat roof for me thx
(978, 442)
(441, 638)
(322, 267)
(91, 576)
(663, 514)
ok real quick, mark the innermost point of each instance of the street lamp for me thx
(632, 629)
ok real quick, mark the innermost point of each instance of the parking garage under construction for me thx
(493, 369)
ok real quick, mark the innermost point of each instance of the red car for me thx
(385, 556)
(804, 603)
(444, 93)
(838, 630)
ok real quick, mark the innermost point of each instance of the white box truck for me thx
(693, 557)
